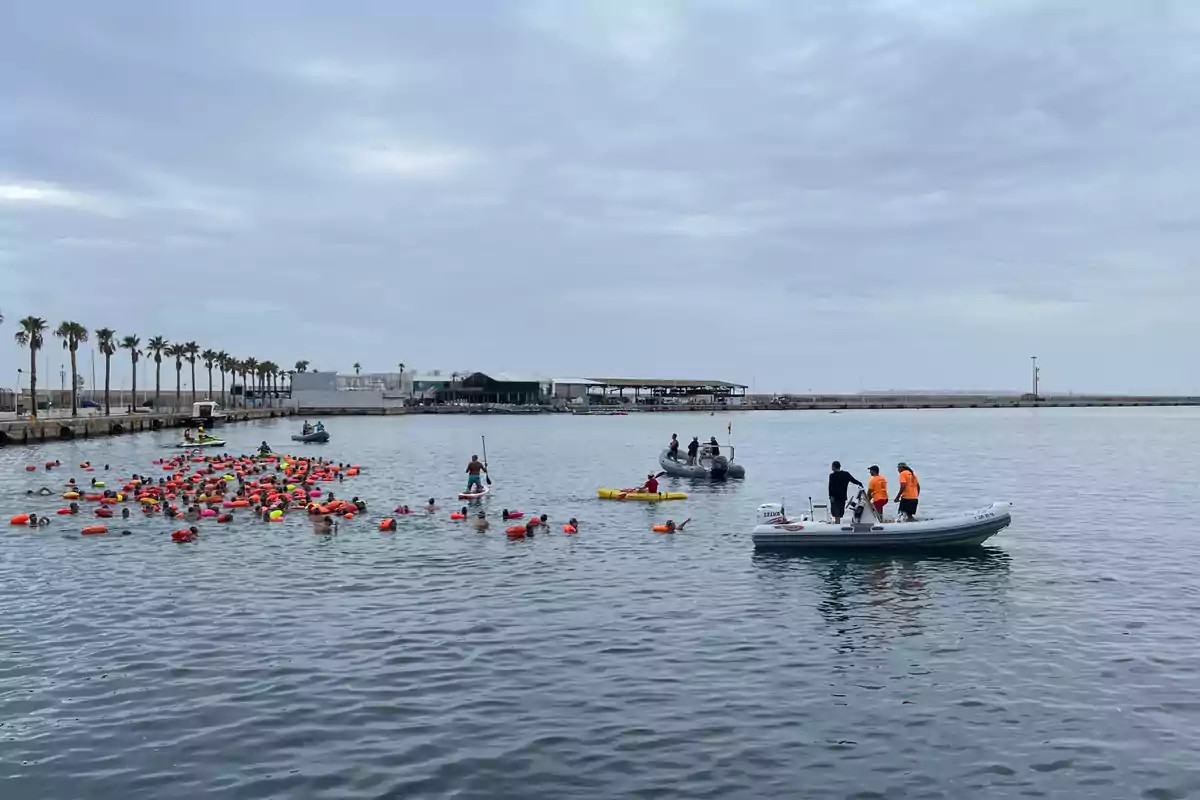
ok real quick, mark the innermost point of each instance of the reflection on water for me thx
(866, 597)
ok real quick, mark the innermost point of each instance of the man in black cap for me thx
(839, 482)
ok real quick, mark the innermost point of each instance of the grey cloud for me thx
(998, 179)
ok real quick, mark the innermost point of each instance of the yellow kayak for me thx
(621, 494)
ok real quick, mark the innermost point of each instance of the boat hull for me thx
(205, 443)
(962, 530)
(316, 437)
(620, 494)
(681, 469)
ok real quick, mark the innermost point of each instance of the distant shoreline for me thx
(781, 403)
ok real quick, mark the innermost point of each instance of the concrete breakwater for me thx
(59, 427)
(775, 403)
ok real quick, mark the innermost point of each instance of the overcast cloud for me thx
(829, 195)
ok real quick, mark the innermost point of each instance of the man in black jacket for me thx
(839, 482)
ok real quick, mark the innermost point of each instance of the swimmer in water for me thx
(480, 523)
(432, 507)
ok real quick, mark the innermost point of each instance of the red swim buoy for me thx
(183, 536)
(93, 530)
(63, 511)
(31, 468)
(104, 512)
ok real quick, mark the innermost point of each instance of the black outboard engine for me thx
(859, 505)
(720, 466)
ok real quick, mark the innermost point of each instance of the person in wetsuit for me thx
(839, 482)
(673, 447)
(693, 449)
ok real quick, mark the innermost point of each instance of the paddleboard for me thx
(474, 495)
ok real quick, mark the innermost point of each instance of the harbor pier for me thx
(63, 427)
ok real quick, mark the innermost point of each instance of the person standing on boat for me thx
(673, 447)
(475, 470)
(910, 493)
(877, 489)
(839, 482)
(693, 449)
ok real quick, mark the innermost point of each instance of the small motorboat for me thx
(707, 465)
(207, 441)
(315, 437)
(861, 529)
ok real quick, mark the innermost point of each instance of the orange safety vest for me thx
(877, 487)
(910, 487)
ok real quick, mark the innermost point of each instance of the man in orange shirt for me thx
(910, 493)
(878, 491)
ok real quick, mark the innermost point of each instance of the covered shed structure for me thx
(668, 391)
(498, 389)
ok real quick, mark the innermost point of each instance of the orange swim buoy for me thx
(388, 524)
(92, 530)
(19, 519)
(515, 530)
(569, 529)
(70, 495)
(63, 511)
(457, 515)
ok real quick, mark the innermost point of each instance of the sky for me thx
(829, 195)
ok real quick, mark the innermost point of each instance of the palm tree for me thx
(301, 366)
(177, 352)
(32, 334)
(72, 334)
(158, 345)
(357, 368)
(191, 351)
(210, 358)
(107, 346)
(222, 361)
(249, 368)
(131, 343)
(271, 372)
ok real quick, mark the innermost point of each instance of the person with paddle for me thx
(649, 487)
(476, 469)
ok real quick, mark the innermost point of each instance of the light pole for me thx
(1033, 360)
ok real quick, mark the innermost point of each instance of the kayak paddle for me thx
(486, 476)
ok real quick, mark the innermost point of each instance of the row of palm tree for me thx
(31, 333)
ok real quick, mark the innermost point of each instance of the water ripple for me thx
(263, 661)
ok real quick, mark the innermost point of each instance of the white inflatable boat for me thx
(860, 528)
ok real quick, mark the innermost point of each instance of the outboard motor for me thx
(770, 514)
(857, 507)
(719, 467)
